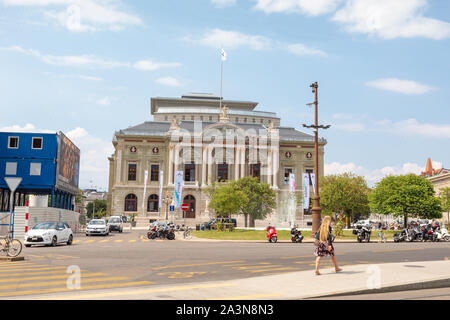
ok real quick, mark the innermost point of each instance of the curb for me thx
(430, 284)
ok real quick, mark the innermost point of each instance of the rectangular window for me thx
(13, 142)
(287, 172)
(222, 172)
(255, 170)
(37, 143)
(132, 168)
(189, 172)
(11, 168)
(154, 172)
(35, 169)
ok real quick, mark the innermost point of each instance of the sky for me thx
(90, 67)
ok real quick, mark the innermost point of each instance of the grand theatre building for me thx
(200, 139)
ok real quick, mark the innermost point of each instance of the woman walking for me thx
(324, 244)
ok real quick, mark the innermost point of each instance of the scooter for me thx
(296, 235)
(442, 235)
(271, 234)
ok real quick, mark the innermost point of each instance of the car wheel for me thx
(69, 242)
(54, 241)
(28, 245)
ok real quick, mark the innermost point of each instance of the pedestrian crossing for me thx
(18, 279)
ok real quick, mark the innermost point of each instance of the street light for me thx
(167, 200)
(316, 210)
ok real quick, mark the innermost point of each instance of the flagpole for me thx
(221, 80)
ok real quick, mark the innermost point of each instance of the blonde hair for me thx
(325, 228)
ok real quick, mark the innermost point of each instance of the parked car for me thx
(115, 224)
(97, 226)
(49, 233)
(211, 224)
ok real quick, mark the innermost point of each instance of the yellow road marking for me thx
(145, 240)
(34, 256)
(131, 240)
(63, 276)
(141, 237)
(274, 269)
(118, 240)
(56, 283)
(394, 250)
(89, 241)
(142, 291)
(29, 273)
(255, 267)
(196, 265)
(76, 241)
(16, 264)
(446, 258)
(103, 241)
(250, 297)
(180, 275)
(61, 256)
(308, 256)
(303, 262)
(56, 290)
(5, 268)
(37, 269)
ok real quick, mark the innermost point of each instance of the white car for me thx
(97, 226)
(49, 233)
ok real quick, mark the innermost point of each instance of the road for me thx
(128, 259)
(426, 294)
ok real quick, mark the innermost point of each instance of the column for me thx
(242, 165)
(236, 163)
(170, 179)
(177, 159)
(269, 166)
(275, 167)
(204, 163)
(210, 164)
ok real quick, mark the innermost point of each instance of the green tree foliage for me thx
(346, 194)
(247, 196)
(100, 209)
(445, 201)
(405, 196)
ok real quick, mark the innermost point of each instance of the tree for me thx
(346, 194)
(405, 196)
(247, 196)
(445, 201)
(99, 206)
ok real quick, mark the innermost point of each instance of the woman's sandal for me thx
(317, 273)
(338, 270)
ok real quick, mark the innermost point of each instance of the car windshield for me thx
(114, 220)
(97, 222)
(45, 226)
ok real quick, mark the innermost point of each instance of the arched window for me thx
(131, 203)
(153, 202)
(190, 200)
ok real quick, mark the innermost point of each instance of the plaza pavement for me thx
(355, 279)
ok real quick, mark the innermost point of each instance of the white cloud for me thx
(30, 128)
(169, 81)
(373, 176)
(91, 61)
(223, 3)
(413, 127)
(302, 50)
(400, 86)
(104, 101)
(83, 15)
(310, 7)
(217, 38)
(389, 19)
(148, 65)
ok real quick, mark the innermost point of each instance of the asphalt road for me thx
(129, 259)
(426, 294)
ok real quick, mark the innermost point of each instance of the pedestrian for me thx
(324, 244)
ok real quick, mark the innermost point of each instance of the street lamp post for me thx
(167, 200)
(316, 210)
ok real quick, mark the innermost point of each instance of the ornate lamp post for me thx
(167, 200)
(316, 210)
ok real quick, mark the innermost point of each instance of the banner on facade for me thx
(145, 190)
(313, 181)
(178, 188)
(291, 182)
(161, 178)
(305, 190)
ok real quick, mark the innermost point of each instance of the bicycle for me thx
(12, 247)
(188, 233)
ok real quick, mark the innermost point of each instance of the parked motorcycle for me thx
(152, 233)
(363, 233)
(442, 235)
(429, 233)
(271, 234)
(401, 236)
(296, 235)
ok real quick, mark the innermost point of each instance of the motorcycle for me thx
(152, 233)
(401, 236)
(363, 233)
(443, 235)
(296, 235)
(429, 233)
(166, 232)
(271, 234)
(415, 234)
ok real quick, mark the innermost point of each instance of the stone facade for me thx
(194, 135)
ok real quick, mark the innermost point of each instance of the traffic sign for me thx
(185, 207)
(172, 208)
(13, 183)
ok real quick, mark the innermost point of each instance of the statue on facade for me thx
(174, 124)
(224, 117)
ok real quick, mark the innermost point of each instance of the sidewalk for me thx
(294, 285)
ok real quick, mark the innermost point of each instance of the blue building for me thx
(47, 163)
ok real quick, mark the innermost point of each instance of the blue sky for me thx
(90, 67)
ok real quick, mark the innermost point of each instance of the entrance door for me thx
(190, 200)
